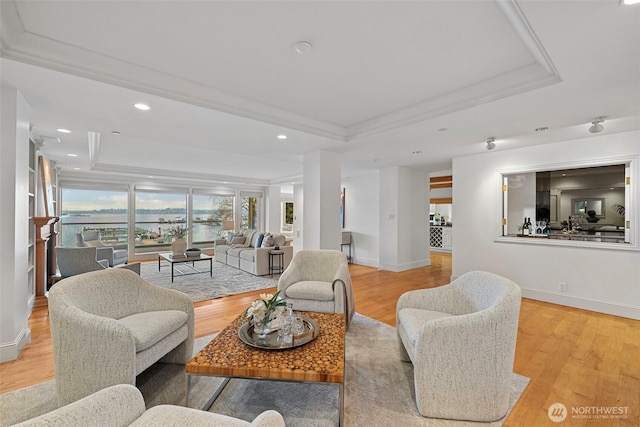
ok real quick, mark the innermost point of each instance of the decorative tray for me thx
(272, 342)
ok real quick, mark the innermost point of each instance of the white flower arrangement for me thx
(266, 308)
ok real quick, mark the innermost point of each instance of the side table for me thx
(273, 267)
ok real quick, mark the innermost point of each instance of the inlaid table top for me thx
(321, 360)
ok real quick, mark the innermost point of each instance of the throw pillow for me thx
(237, 240)
(267, 242)
(258, 242)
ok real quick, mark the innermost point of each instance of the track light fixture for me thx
(596, 125)
(491, 144)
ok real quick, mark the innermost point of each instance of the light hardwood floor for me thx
(584, 360)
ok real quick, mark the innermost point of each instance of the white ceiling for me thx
(386, 83)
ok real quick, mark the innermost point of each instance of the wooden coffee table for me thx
(318, 361)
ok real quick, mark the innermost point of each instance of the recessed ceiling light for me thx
(76, 169)
(282, 136)
(302, 47)
(115, 132)
(72, 155)
(64, 130)
(541, 129)
(629, 2)
(416, 152)
(442, 129)
(143, 107)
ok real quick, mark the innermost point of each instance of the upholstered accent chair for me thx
(74, 261)
(461, 339)
(109, 326)
(114, 254)
(122, 405)
(318, 280)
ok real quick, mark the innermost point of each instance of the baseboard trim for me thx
(583, 303)
(365, 261)
(11, 350)
(407, 266)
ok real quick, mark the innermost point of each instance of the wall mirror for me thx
(584, 206)
(558, 202)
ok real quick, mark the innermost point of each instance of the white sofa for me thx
(123, 405)
(249, 251)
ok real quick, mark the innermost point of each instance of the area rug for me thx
(224, 280)
(378, 390)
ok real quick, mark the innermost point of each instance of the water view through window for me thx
(105, 211)
(156, 213)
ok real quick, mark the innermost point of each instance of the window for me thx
(88, 209)
(577, 204)
(250, 210)
(155, 213)
(209, 213)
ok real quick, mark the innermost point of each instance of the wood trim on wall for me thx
(445, 185)
(447, 178)
(441, 200)
(441, 182)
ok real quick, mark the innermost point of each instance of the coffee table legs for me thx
(213, 398)
(226, 380)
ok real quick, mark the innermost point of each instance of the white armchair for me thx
(74, 261)
(109, 326)
(122, 405)
(115, 254)
(461, 339)
(318, 280)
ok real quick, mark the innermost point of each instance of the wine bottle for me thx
(525, 227)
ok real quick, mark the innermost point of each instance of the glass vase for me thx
(261, 327)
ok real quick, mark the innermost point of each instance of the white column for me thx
(273, 209)
(298, 216)
(404, 219)
(14, 211)
(321, 228)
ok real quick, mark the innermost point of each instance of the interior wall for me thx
(14, 210)
(596, 279)
(404, 219)
(362, 217)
